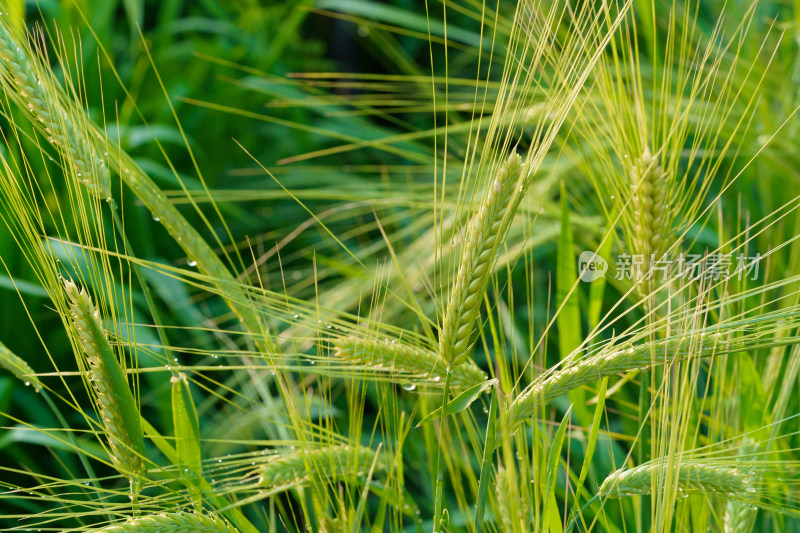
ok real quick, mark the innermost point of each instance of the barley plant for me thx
(361, 265)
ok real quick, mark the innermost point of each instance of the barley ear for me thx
(486, 230)
(740, 516)
(689, 477)
(400, 358)
(113, 396)
(17, 366)
(172, 523)
(649, 184)
(47, 105)
(330, 463)
(31, 86)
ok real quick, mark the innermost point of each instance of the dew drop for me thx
(408, 386)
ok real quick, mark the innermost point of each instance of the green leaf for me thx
(597, 287)
(404, 18)
(569, 319)
(553, 460)
(595, 430)
(486, 463)
(16, 10)
(554, 457)
(460, 402)
(187, 430)
(570, 335)
(22, 287)
(752, 397)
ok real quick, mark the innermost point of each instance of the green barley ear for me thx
(172, 523)
(71, 130)
(617, 360)
(33, 89)
(330, 463)
(399, 358)
(17, 366)
(649, 184)
(740, 516)
(486, 230)
(581, 372)
(689, 477)
(503, 491)
(113, 396)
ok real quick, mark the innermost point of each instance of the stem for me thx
(439, 490)
(486, 463)
(580, 513)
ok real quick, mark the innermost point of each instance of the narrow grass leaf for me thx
(460, 402)
(593, 433)
(187, 431)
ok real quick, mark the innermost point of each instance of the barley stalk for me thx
(172, 523)
(485, 232)
(34, 89)
(113, 396)
(332, 462)
(17, 366)
(396, 357)
(689, 477)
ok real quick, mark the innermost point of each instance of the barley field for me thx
(400, 266)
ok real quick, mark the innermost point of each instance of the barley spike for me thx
(649, 183)
(621, 359)
(114, 399)
(485, 232)
(17, 366)
(689, 476)
(172, 523)
(332, 462)
(390, 355)
(38, 94)
(22, 83)
(740, 516)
